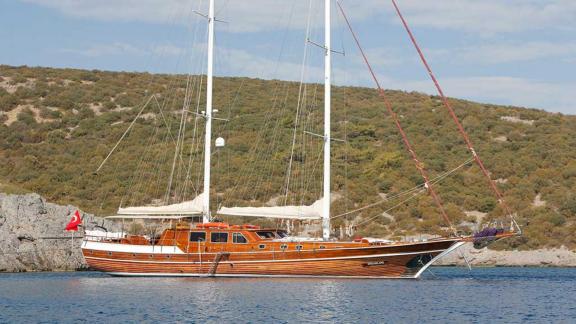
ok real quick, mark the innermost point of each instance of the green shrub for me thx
(26, 116)
(8, 102)
(487, 205)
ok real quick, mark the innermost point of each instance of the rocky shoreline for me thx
(559, 257)
(32, 238)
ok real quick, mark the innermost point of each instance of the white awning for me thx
(311, 212)
(191, 207)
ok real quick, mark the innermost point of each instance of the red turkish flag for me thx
(74, 222)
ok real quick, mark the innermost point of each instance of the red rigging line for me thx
(419, 164)
(452, 114)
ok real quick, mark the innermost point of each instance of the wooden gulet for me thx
(218, 249)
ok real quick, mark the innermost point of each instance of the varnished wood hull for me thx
(385, 261)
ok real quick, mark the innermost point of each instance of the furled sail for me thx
(313, 211)
(191, 207)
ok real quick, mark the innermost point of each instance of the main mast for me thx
(208, 138)
(327, 103)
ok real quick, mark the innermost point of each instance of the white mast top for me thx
(327, 103)
(208, 139)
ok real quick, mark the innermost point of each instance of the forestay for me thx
(191, 207)
(311, 212)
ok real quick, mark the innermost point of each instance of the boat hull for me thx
(388, 261)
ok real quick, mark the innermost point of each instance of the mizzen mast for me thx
(208, 115)
(327, 106)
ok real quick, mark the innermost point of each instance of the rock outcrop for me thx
(32, 236)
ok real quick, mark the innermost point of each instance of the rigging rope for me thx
(398, 195)
(453, 115)
(388, 105)
(123, 135)
(393, 207)
(299, 103)
(270, 125)
(140, 175)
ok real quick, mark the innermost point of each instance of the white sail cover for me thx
(313, 211)
(191, 207)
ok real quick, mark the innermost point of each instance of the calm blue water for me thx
(450, 295)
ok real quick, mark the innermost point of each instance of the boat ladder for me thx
(221, 256)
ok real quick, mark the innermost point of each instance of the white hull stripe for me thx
(370, 256)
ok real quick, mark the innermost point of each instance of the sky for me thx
(509, 52)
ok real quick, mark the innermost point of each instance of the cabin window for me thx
(262, 246)
(322, 247)
(218, 237)
(283, 246)
(198, 236)
(298, 247)
(266, 234)
(239, 238)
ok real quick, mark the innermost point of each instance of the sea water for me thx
(483, 295)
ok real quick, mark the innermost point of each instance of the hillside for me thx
(57, 125)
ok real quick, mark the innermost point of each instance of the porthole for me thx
(299, 247)
(109, 253)
(262, 246)
(133, 255)
(283, 246)
(168, 256)
(322, 247)
(151, 256)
